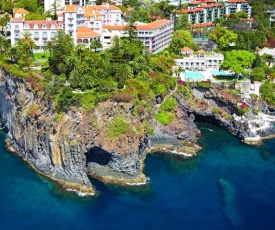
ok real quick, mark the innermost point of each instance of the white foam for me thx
(82, 194)
(140, 183)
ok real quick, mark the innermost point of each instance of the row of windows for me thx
(35, 26)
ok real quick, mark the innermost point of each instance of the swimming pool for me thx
(219, 73)
(193, 76)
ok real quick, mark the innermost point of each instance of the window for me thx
(36, 35)
(35, 26)
(16, 27)
(53, 34)
(44, 35)
(44, 26)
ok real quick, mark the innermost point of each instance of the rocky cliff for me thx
(67, 147)
(71, 146)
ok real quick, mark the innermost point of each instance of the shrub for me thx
(204, 84)
(58, 117)
(216, 110)
(33, 111)
(122, 97)
(243, 108)
(227, 116)
(118, 126)
(165, 117)
(169, 105)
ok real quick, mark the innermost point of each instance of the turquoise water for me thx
(228, 186)
(219, 73)
(195, 76)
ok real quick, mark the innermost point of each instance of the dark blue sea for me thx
(228, 186)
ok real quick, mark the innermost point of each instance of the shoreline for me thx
(78, 188)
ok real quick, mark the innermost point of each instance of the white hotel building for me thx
(156, 36)
(86, 23)
(201, 61)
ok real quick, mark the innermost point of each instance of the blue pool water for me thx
(219, 73)
(228, 186)
(194, 76)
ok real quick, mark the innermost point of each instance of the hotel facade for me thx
(199, 61)
(156, 36)
(87, 23)
(207, 11)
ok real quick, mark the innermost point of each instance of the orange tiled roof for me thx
(149, 26)
(20, 11)
(186, 49)
(85, 32)
(70, 8)
(207, 24)
(201, 51)
(100, 7)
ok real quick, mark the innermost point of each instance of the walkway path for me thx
(165, 98)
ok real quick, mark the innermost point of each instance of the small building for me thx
(201, 61)
(186, 51)
(86, 35)
(20, 13)
(269, 51)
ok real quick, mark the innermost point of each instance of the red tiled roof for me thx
(210, 5)
(189, 11)
(17, 20)
(236, 1)
(48, 24)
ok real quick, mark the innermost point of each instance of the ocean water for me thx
(228, 186)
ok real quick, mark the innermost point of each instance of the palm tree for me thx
(95, 45)
(48, 46)
(13, 54)
(79, 50)
(178, 70)
(4, 44)
(268, 58)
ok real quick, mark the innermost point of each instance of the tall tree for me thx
(223, 37)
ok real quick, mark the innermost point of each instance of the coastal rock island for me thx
(78, 144)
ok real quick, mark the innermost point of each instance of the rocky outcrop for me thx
(214, 105)
(70, 146)
(75, 144)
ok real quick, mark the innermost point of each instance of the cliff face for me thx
(73, 147)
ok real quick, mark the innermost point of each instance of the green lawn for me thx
(43, 55)
(40, 58)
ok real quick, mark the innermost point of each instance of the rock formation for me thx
(69, 146)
